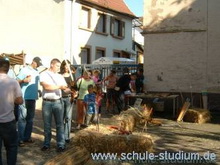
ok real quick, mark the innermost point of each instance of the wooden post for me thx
(183, 110)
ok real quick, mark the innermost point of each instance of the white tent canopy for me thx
(113, 60)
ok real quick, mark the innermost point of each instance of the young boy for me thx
(90, 104)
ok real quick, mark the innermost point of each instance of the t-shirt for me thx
(52, 78)
(83, 89)
(139, 82)
(111, 81)
(89, 99)
(9, 90)
(11, 74)
(124, 82)
(29, 90)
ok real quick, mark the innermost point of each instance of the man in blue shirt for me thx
(28, 78)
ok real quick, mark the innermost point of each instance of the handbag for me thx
(76, 93)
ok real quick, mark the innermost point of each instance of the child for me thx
(99, 97)
(95, 76)
(90, 104)
(132, 83)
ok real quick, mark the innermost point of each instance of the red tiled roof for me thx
(116, 5)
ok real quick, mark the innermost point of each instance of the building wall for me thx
(81, 37)
(36, 27)
(182, 45)
(137, 36)
(213, 48)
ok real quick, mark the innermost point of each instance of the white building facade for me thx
(76, 30)
(99, 32)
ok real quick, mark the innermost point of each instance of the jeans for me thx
(120, 100)
(25, 120)
(67, 117)
(54, 108)
(9, 137)
(92, 118)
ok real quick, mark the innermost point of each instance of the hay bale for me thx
(132, 113)
(197, 115)
(104, 143)
(132, 117)
(127, 122)
(104, 129)
(78, 155)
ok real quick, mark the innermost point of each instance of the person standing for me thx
(99, 97)
(52, 84)
(10, 94)
(90, 104)
(82, 85)
(28, 78)
(69, 75)
(122, 85)
(110, 82)
(139, 82)
(95, 77)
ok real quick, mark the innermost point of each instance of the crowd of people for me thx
(60, 90)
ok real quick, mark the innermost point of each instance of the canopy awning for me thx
(15, 59)
(113, 60)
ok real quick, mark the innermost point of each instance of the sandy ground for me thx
(170, 137)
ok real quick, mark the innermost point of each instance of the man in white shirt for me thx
(53, 83)
(10, 94)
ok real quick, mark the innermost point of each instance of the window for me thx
(85, 21)
(100, 52)
(116, 53)
(117, 28)
(101, 25)
(85, 55)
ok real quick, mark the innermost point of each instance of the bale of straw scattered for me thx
(125, 122)
(132, 117)
(112, 143)
(197, 115)
(104, 129)
(133, 113)
(76, 155)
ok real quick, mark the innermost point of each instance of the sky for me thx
(136, 6)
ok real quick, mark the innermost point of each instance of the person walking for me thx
(52, 84)
(10, 94)
(28, 78)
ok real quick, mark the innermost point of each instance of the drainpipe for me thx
(71, 30)
(205, 91)
(68, 15)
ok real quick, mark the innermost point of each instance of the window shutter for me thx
(104, 23)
